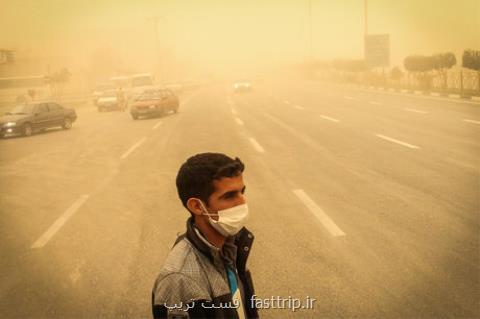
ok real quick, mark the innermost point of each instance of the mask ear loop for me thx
(205, 211)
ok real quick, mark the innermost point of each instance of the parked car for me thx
(154, 102)
(108, 101)
(242, 86)
(26, 119)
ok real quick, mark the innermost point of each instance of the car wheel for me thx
(27, 129)
(134, 116)
(67, 123)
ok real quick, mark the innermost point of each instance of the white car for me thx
(242, 86)
(108, 102)
(99, 90)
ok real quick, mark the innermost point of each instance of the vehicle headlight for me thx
(9, 124)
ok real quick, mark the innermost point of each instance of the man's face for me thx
(229, 192)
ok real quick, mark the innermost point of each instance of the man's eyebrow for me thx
(233, 192)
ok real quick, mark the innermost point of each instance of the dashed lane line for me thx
(329, 118)
(239, 121)
(43, 240)
(256, 145)
(390, 139)
(324, 219)
(131, 149)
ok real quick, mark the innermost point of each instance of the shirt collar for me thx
(218, 256)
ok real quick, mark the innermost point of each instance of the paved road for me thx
(366, 201)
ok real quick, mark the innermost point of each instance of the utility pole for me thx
(365, 32)
(158, 54)
(310, 29)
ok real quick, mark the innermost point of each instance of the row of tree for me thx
(420, 67)
(441, 63)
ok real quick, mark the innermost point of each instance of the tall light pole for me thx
(310, 29)
(158, 54)
(365, 32)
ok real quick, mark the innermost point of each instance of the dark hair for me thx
(195, 177)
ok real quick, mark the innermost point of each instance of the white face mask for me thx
(230, 220)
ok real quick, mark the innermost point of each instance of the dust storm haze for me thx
(358, 122)
(228, 37)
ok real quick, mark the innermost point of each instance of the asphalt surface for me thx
(367, 201)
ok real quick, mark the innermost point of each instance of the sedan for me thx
(26, 119)
(154, 102)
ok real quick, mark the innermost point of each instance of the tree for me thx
(396, 74)
(57, 81)
(471, 60)
(420, 66)
(443, 62)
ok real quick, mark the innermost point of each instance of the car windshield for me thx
(109, 93)
(103, 87)
(150, 95)
(142, 81)
(21, 109)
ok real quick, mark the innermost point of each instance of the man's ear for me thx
(194, 206)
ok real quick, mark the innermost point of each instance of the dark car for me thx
(154, 102)
(26, 119)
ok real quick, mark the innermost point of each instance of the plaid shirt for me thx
(193, 282)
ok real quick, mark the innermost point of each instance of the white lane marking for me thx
(471, 121)
(396, 141)
(234, 112)
(286, 102)
(43, 240)
(326, 221)
(329, 118)
(299, 107)
(133, 148)
(256, 145)
(75, 274)
(415, 111)
(375, 103)
(239, 121)
(350, 98)
(157, 125)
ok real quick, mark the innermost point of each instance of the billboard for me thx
(377, 50)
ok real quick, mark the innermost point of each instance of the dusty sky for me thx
(234, 34)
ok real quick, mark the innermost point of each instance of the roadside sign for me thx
(377, 50)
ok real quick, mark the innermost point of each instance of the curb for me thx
(417, 92)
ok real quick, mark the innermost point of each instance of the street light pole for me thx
(310, 29)
(158, 54)
(366, 18)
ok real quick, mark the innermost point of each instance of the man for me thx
(121, 99)
(205, 273)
